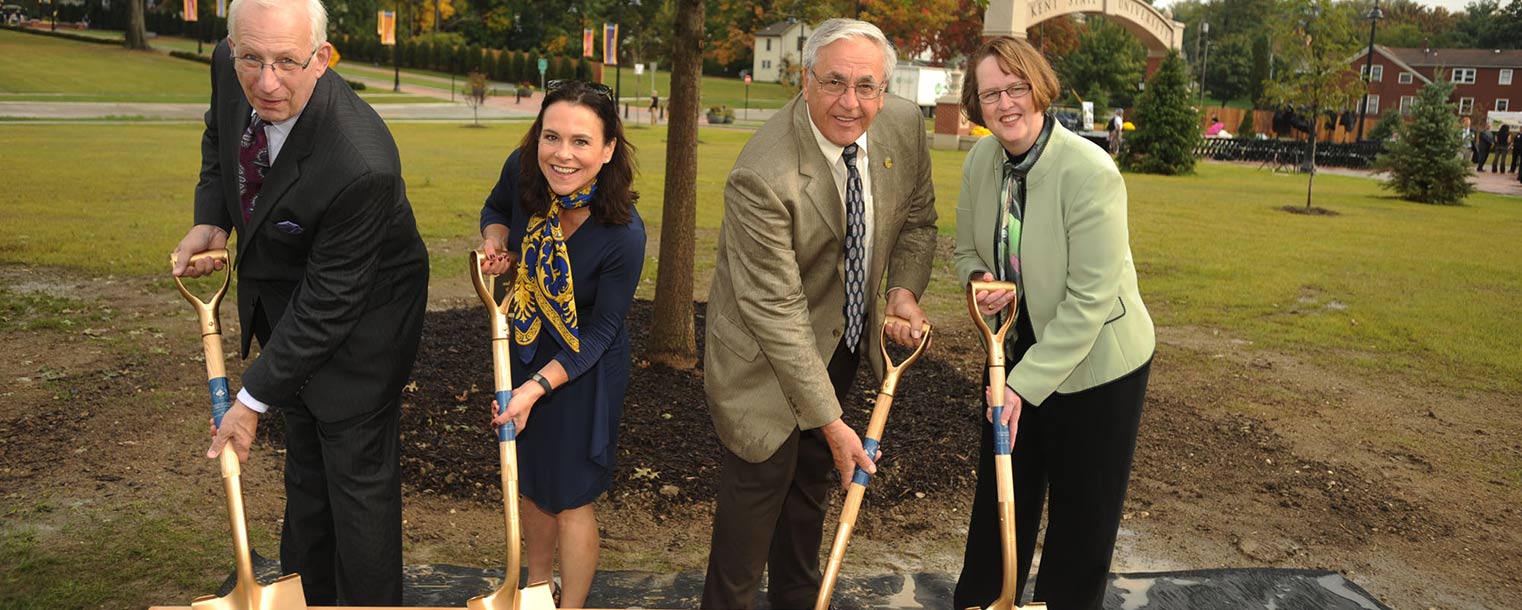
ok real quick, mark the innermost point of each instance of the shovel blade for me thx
(285, 592)
(537, 596)
(1005, 604)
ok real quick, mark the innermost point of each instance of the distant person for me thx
(1466, 135)
(1482, 145)
(1217, 129)
(1117, 129)
(1044, 208)
(1503, 143)
(564, 198)
(655, 105)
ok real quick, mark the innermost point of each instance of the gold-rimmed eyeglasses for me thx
(835, 87)
(252, 64)
(1015, 92)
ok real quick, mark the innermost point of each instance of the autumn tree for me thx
(673, 340)
(912, 25)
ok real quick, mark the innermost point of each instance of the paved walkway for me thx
(1486, 182)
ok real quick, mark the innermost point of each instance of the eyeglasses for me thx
(597, 88)
(1015, 92)
(253, 65)
(834, 87)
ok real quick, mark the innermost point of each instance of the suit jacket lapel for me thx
(879, 154)
(287, 167)
(819, 184)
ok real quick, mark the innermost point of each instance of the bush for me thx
(1248, 128)
(205, 59)
(355, 85)
(1425, 160)
(1167, 127)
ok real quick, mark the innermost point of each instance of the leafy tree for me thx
(963, 34)
(1385, 128)
(673, 339)
(1229, 72)
(912, 25)
(1316, 44)
(1248, 127)
(1056, 37)
(1167, 125)
(1262, 61)
(1424, 161)
(1106, 65)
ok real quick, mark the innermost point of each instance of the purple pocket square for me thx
(289, 228)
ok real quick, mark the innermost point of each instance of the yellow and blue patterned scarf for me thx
(543, 292)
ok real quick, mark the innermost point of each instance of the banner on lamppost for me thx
(222, 9)
(192, 12)
(588, 43)
(385, 25)
(610, 43)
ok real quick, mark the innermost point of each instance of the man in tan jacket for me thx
(830, 195)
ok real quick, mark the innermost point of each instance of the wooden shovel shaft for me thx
(870, 444)
(1003, 469)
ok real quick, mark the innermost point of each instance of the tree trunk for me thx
(672, 340)
(137, 30)
(1315, 127)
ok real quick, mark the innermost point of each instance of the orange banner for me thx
(385, 25)
(588, 43)
(192, 12)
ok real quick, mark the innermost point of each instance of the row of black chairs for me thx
(1289, 154)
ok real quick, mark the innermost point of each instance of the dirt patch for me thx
(1247, 456)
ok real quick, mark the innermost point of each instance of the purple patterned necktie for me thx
(856, 234)
(253, 162)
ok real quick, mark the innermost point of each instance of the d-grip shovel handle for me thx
(871, 441)
(994, 340)
(211, 330)
(500, 354)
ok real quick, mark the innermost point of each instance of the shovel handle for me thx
(211, 331)
(994, 341)
(508, 431)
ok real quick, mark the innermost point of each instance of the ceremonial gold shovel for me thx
(247, 594)
(1003, 470)
(536, 596)
(870, 444)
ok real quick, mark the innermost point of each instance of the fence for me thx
(1263, 122)
(1288, 154)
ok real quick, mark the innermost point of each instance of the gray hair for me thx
(317, 17)
(839, 29)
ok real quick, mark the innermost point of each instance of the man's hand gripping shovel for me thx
(536, 596)
(247, 594)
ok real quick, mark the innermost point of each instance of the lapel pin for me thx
(888, 163)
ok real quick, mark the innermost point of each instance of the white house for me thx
(774, 43)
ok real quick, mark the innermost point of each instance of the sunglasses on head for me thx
(597, 88)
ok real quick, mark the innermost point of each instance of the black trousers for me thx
(343, 509)
(770, 515)
(1075, 452)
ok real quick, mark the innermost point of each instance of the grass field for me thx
(1385, 284)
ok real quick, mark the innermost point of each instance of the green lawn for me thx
(54, 69)
(1385, 284)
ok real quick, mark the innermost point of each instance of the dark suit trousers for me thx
(770, 516)
(343, 510)
(1077, 449)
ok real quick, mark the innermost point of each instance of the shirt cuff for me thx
(249, 401)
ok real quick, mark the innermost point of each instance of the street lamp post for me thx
(1374, 16)
(1204, 57)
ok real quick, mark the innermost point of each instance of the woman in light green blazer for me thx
(1046, 209)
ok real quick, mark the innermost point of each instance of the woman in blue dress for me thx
(561, 223)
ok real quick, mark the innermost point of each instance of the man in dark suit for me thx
(332, 280)
(830, 196)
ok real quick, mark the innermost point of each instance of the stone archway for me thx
(1156, 30)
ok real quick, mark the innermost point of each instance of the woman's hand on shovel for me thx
(991, 302)
(1011, 415)
(518, 407)
(238, 427)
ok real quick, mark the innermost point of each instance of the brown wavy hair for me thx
(613, 204)
(1016, 57)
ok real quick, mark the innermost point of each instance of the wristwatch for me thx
(543, 383)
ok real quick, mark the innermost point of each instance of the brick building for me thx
(1484, 79)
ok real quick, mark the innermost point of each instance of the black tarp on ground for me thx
(1232, 588)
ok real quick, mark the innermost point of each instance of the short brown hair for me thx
(1016, 57)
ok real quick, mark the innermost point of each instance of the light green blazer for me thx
(1080, 284)
(775, 309)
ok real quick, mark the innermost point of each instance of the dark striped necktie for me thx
(856, 250)
(253, 162)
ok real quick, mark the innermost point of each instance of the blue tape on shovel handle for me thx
(507, 431)
(221, 399)
(1001, 433)
(861, 477)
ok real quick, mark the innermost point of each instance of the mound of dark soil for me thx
(667, 445)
